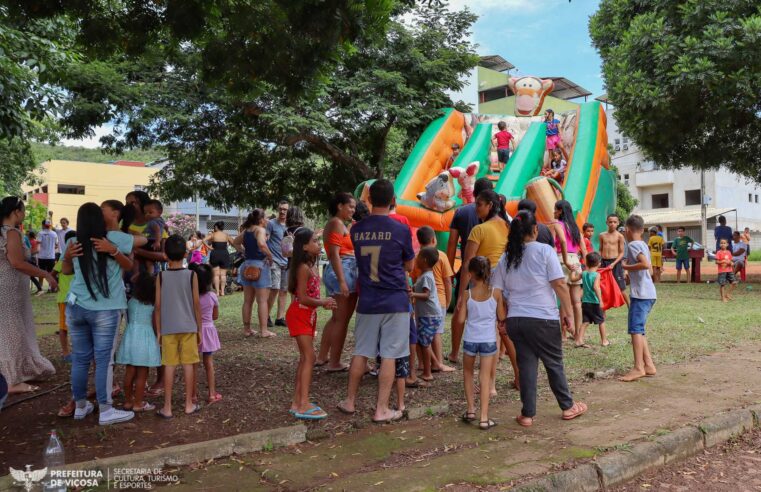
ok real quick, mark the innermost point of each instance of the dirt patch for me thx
(255, 377)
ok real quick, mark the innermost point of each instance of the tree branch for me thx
(326, 149)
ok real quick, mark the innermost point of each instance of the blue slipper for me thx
(314, 413)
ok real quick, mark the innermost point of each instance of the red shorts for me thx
(301, 320)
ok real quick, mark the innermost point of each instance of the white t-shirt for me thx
(48, 240)
(61, 233)
(527, 288)
(736, 245)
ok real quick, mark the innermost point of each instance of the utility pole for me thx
(703, 206)
(198, 215)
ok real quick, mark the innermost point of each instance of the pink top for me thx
(570, 246)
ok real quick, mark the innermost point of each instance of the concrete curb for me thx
(187, 454)
(621, 466)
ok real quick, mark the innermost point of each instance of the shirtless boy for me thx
(612, 251)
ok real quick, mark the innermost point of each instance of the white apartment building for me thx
(671, 197)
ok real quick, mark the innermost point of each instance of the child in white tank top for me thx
(483, 306)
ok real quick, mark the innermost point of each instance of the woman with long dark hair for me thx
(97, 298)
(253, 243)
(138, 224)
(488, 239)
(530, 275)
(340, 280)
(20, 357)
(568, 245)
(219, 258)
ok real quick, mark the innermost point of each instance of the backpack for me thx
(286, 245)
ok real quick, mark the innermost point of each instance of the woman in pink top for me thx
(569, 245)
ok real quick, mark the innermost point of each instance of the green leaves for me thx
(684, 77)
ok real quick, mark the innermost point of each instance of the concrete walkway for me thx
(428, 454)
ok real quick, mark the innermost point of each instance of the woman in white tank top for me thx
(483, 306)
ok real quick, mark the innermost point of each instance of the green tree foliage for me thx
(684, 76)
(45, 152)
(36, 212)
(625, 202)
(245, 149)
(81, 64)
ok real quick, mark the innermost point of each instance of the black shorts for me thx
(503, 155)
(618, 272)
(592, 313)
(219, 258)
(46, 265)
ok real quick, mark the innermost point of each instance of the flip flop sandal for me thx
(314, 413)
(196, 409)
(67, 410)
(154, 393)
(345, 411)
(147, 407)
(320, 364)
(160, 413)
(466, 417)
(216, 398)
(524, 421)
(341, 369)
(397, 416)
(582, 410)
(486, 424)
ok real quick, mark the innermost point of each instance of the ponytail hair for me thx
(254, 218)
(497, 205)
(480, 268)
(522, 226)
(566, 217)
(126, 214)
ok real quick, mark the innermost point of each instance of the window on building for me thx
(692, 197)
(65, 189)
(492, 94)
(756, 198)
(626, 140)
(660, 200)
(750, 197)
(626, 179)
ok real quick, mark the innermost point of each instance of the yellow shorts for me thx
(62, 316)
(656, 261)
(179, 349)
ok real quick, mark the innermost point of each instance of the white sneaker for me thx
(80, 413)
(115, 416)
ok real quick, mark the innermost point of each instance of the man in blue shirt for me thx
(383, 248)
(279, 272)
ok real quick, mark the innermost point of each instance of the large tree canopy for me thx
(685, 77)
(75, 64)
(237, 148)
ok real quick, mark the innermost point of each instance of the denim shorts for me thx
(349, 267)
(503, 155)
(638, 311)
(727, 278)
(483, 349)
(680, 262)
(265, 279)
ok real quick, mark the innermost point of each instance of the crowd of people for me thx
(522, 289)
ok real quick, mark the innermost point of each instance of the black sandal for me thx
(466, 417)
(486, 424)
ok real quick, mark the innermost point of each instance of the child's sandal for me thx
(214, 399)
(468, 417)
(486, 424)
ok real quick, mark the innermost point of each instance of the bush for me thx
(754, 255)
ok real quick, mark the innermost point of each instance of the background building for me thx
(671, 197)
(66, 185)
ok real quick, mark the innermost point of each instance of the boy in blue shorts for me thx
(642, 299)
(427, 307)
(383, 248)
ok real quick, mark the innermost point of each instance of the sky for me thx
(546, 38)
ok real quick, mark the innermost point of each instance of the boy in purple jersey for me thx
(383, 248)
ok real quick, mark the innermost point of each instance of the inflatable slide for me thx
(429, 195)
